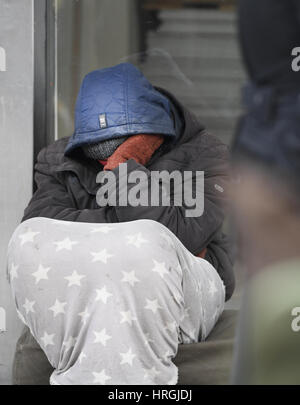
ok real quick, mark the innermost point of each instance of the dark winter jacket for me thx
(66, 190)
(269, 31)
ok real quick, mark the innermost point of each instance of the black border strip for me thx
(44, 74)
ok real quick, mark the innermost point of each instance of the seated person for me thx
(145, 261)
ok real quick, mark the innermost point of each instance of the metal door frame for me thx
(44, 73)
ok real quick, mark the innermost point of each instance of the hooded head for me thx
(114, 103)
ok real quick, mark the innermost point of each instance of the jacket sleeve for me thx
(194, 232)
(51, 199)
(204, 231)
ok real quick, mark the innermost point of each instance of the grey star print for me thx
(109, 304)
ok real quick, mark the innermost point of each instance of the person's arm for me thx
(194, 232)
(51, 199)
(201, 235)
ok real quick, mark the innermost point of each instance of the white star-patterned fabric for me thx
(13, 272)
(41, 274)
(27, 236)
(58, 308)
(101, 337)
(66, 243)
(109, 303)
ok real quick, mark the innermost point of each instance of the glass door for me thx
(187, 47)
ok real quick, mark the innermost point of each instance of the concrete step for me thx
(189, 45)
(198, 28)
(213, 122)
(198, 77)
(201, 88)
(212, 103)
(205, 16)
(158, 64)
(225, 118)
(222, 113)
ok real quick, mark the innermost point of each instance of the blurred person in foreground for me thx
(266, 164)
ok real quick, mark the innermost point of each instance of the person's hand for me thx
(138, 147)
(202, 254)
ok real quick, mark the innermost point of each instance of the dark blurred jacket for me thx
(269, 30)
(268, 133)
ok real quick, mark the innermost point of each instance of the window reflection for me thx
(187, 47)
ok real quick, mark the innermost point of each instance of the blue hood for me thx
(118, 101)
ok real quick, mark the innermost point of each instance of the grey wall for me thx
(16, 148)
